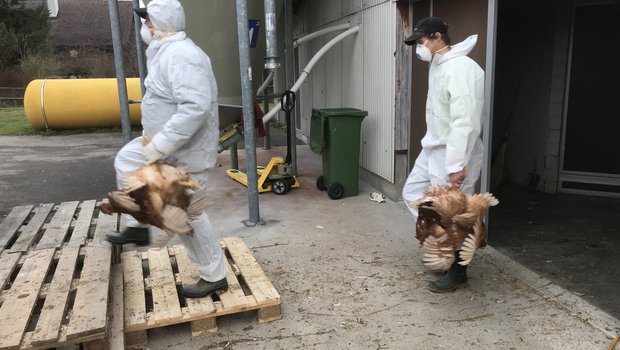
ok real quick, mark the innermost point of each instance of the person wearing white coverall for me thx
(452, 151)
(180, 118)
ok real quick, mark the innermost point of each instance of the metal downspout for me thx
(271, 35)
(248, 112)
(120, 70)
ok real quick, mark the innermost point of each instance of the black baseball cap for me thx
(426, 26)
(141, 12)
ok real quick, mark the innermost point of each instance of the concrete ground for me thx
(349, 272)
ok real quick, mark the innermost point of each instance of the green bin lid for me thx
(333, 112)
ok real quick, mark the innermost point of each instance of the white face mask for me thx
(423, 53)
(145, 33)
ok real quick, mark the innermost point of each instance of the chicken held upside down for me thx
(450, 220)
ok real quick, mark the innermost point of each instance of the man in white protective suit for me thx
(452, 150)
(180, 118)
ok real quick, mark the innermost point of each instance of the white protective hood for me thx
(166, 15)
(454, 104)
(461, 49)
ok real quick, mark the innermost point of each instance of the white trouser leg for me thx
(204, 250)
(428, 170)
(128, 159)
(473, 169)
(203, 247)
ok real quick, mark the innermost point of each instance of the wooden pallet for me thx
(55, 271)
(153, 298)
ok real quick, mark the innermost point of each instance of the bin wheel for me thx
(335, 191)
(320, 183)
(281, 186)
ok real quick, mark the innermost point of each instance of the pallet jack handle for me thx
(287, 102)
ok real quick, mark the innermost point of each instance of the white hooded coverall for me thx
(454, 108)
(180, 114)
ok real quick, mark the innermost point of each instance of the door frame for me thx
(580, 176)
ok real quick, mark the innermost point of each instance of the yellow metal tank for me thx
(78, 103)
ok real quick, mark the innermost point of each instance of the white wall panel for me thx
(317, 14)
(353, 68)
(348, 7)
(370, 3)
(378, 130)
(333, 75)
(318, 76)
(332, 11)
(358, 73)
(304, 95)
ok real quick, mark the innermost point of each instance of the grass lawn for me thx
(13, 121)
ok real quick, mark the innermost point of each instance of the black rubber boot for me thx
(454, 278)
(136, 235)
(203, 288)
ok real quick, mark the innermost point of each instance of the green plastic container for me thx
(335, 134)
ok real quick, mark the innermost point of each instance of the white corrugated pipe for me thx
(306, 71)
(260, 90)
(320, 32)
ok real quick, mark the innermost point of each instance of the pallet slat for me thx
(257, 281)
(13, 221)
(117, 339)
(8, 261)
(82, 224)
(105, 224)
(91, 300)
(32, 230)
(58, 228)
(166, 304)
(133, 284)
(50, 320)
(234, 297)
(21, 298)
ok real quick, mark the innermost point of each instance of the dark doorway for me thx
(591, 143)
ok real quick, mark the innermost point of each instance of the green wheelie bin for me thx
(335, 134)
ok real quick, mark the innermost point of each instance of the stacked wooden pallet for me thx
(55, 272)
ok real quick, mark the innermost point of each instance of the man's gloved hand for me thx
(151, 154)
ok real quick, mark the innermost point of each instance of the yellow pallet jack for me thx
(278, 175)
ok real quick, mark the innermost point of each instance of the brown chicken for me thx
(449, 220)
(158, 194)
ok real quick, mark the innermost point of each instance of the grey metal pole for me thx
(247, 97)
(120, 69)
(290, 79)
(137, 25)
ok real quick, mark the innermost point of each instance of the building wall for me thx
(212, 25)
(358, 72)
